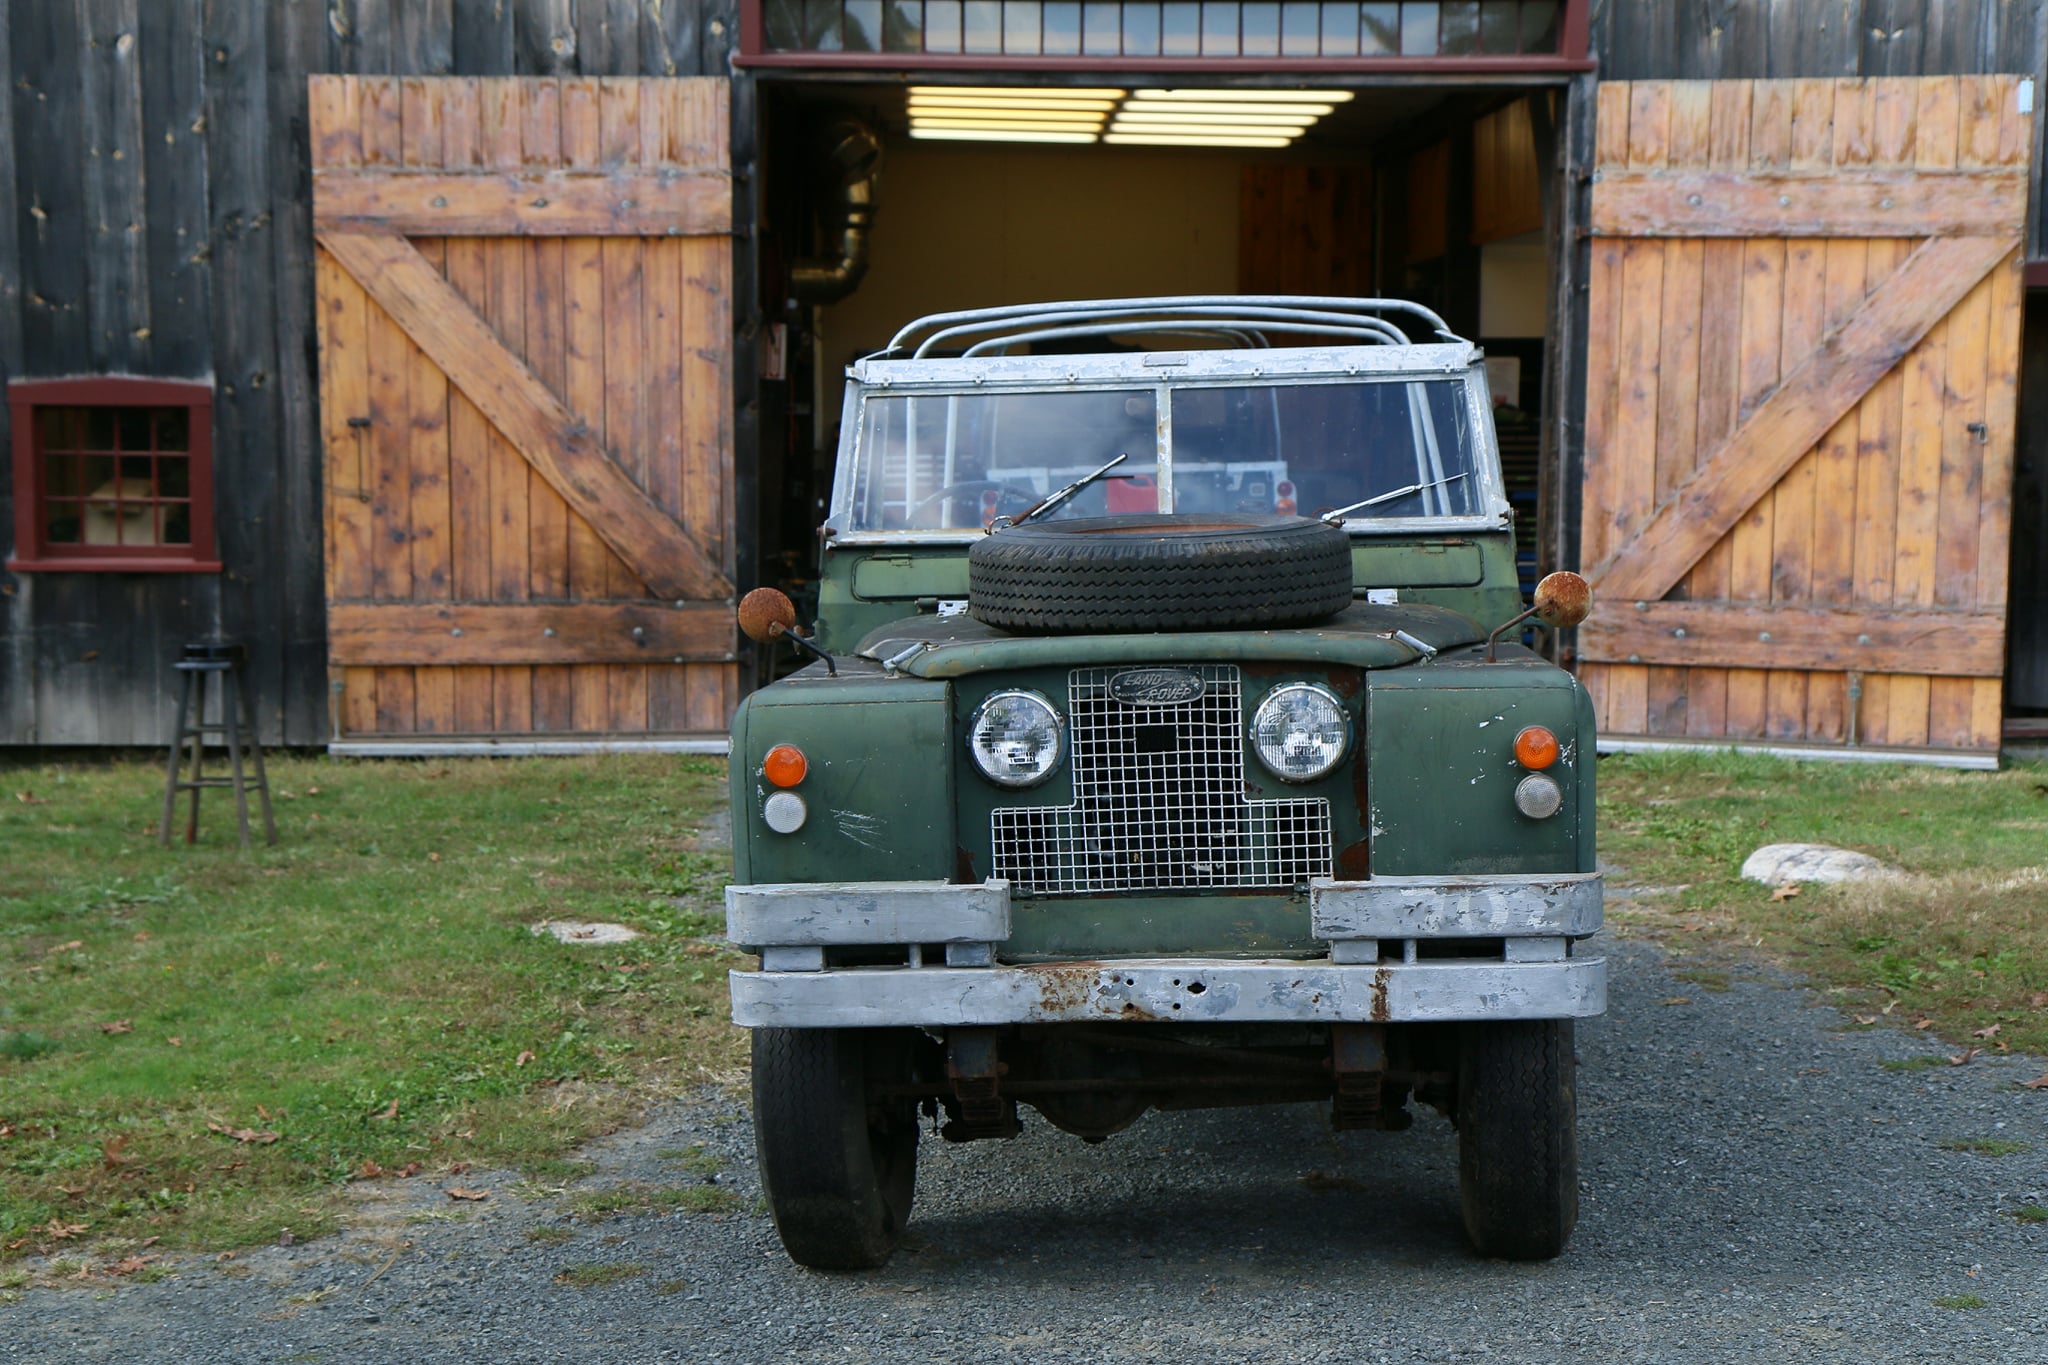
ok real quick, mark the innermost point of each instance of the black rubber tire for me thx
(1518, 1140)
(1159, 571)
(838, 1172)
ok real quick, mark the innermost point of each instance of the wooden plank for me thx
(423, 144)
(698, 130)
(469, 435)
(1940, 643)
(632, 202)
(621, 141)
(553, 439)
(116, 304)
(177, 98)
(1869, 203)
(590, 567)
(358, 701)
(1798, 411)
(470, 633)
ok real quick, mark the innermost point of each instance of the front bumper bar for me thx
(1375, 972)
(1171, 990)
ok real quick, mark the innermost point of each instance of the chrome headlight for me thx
(1016, 738)
(1300, 732)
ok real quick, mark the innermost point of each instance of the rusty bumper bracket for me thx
(1358, 1065)
(979, 1109)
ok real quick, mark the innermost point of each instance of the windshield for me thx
(957, 461)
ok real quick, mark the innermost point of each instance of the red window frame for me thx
(33, 549)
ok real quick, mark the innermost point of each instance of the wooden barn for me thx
(467, 358)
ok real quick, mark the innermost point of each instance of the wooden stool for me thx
(223, 660)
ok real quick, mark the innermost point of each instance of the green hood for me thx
(1360, 636)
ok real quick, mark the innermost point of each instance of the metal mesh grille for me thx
(1159, 802)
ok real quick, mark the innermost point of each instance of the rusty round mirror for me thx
(1563, 599)
(766, 613)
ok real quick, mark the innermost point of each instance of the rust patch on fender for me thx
(1380, 977)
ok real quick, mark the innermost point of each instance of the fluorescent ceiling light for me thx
(1195, 140)
(1014, 125)
(993, 135)
(1015, 92)
(1301, 113)
(918, 102)
(1092, 120)
(1202, 130)
(1254, 96)
(1221, 120)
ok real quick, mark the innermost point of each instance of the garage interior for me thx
(1408, 189)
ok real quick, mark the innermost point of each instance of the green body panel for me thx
(865, 587)
(879, 793)
(1441, 744)
(1428, 789)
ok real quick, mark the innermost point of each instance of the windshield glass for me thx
(1404, 447)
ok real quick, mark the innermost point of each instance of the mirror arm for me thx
(1500, 630)
(805, 646)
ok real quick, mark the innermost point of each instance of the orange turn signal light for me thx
(786, 765)
(1536, 747)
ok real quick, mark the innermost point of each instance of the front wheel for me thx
(838, 1169)
(1518, 1140)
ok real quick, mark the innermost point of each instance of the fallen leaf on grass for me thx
(2039, 1000)
(1988, 1031)
(2039, 1082)
(110, 1151)
(6, 1130)
(1923, 1024)
(410, 1168)
(522, 1059)
(1677, 1000)
(369, 1170)
(175, 1042)
(118, 1026)
(57, 1230)
(263, 1138)
(1866, 1019)
(1963, 1058)
(389, 1111)
(459, 1192)
(1785, 892)
(127, 1265)
(31, 799)
(72, 946)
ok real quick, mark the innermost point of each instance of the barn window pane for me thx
(1182, 32)
(984, 26)
(1062, 29)
(863, 25)
(942, 26)
(1261, 30)
(1460, 29)
(1104, 31)
(1539, 26)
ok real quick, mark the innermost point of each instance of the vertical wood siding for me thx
(154, 154)
(1866, 542)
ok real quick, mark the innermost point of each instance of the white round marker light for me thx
(1538, 796)
(1016, 738)
(1300, 732)
(784, 812)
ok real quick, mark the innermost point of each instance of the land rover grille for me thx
(1160, 799)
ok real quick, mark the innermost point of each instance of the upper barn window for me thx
(113, 474)
(1241, 31)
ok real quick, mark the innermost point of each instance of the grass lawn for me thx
(1961, 940)
(202, 1045)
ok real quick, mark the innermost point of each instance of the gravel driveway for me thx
(1758, 1187)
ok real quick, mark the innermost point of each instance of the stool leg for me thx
(262, 778)
(198, 757)
(163, 826)
(231, 717)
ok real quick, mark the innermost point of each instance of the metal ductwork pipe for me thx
(853, 162)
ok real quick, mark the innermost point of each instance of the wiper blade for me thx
(1336, 517)
(1053, 500)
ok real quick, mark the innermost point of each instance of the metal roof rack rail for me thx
(1244, 315)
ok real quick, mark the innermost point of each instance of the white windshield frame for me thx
(1165, 371)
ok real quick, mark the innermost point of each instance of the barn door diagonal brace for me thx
(559, 443)
(1793, 418)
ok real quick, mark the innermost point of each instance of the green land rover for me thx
(1164, 743)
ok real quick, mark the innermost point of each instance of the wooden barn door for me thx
(524, 292)
(1799, 433)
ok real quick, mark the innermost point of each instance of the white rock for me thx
(585, 931)
(1776, 864)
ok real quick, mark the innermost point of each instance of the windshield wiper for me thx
(1053, 500)
(1337, 517)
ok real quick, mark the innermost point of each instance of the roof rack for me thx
(1246, 316)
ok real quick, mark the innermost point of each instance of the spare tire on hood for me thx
(1159, 571)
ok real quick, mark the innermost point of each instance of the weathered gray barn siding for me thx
(154, 154)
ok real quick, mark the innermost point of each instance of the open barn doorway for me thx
(1413, 189)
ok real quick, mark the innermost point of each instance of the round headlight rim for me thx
(1336, 703)
(1059, 743)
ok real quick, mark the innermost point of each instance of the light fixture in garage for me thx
(961, 113)
(1220, 118)
(1143, 118)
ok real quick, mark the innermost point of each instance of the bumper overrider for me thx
(1385, 935)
